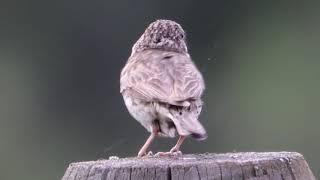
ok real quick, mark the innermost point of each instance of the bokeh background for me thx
(59, 79)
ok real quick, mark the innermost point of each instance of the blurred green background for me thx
(59, 79)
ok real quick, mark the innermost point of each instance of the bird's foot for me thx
(145, 155)
(168, 154)
(141, 154)
(175, 149)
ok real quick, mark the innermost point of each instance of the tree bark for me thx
(230, 166)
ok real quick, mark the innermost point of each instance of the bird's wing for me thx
(168, 77)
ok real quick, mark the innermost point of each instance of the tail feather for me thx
(199, 137)
(185, 118)
(186, 121)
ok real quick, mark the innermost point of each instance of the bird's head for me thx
(164, 35)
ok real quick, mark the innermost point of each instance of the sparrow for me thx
(162, 87)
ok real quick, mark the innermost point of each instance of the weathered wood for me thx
(230, 166)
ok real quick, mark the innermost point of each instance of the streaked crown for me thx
(164, 35)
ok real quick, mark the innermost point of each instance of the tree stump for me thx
(230, 166)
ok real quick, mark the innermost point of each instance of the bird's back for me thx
(168, 77)
(171, 84)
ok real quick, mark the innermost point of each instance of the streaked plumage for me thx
(161, 85)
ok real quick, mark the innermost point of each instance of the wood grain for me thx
(209, 166)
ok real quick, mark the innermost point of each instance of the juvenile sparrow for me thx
(161, 86)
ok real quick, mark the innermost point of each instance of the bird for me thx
(162, 87)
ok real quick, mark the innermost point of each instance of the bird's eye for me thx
(181, 36)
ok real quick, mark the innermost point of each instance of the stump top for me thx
(247, 165)
(240, 157)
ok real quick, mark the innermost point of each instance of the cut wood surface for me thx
(229, 166)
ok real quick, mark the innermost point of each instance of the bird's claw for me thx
(150, 153)
(145, 155)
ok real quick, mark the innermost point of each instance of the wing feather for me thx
(168, 77)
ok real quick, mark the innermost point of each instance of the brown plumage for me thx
(161, 86)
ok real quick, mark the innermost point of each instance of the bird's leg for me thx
(144, 148)
(176, 148)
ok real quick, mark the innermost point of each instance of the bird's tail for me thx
(186, 121)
